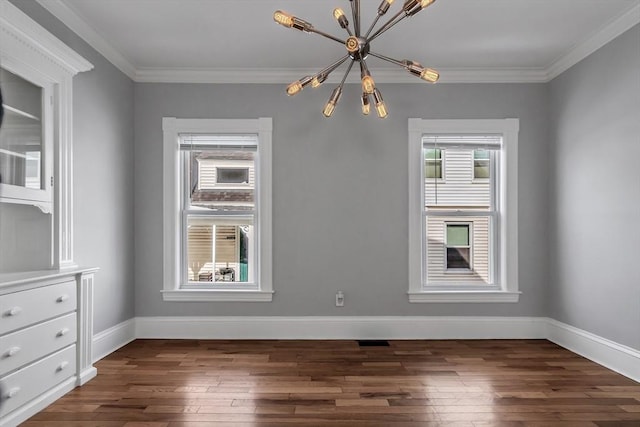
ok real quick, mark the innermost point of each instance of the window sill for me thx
(463, 296)
(207, 295)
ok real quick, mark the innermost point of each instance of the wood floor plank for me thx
(454, 383)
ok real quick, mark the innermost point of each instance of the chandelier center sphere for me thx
(357, 47)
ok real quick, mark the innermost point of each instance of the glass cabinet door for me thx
(23, 139)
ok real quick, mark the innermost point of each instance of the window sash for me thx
(492, 144)
(211, 142)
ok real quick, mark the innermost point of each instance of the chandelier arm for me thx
(386, 58)
(373, 24)
(354, 14)
(329, 36)
(331, 68)
(390, 23)
(344, 78)
(356, 23)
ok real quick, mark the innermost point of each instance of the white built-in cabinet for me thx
(46, 331)
(46, 317)
(36, 141)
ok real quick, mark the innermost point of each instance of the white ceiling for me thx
(238, 41)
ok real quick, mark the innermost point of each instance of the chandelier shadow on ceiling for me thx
(358, 46)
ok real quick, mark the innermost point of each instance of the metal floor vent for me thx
(373, 343)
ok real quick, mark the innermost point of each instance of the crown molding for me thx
(72, 19)
(384, 75)
(598, 39)
(16, 25)
(61, 10)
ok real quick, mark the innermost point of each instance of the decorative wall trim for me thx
(340, 327)
(84, 365)
(617, 357)
(109, 340)
(73, 20)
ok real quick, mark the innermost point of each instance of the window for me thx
(433, 163)
(232, 175)
(481, 163)
(463, 231)
(458, 247)
(217, 210)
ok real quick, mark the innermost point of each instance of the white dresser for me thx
(46, 329)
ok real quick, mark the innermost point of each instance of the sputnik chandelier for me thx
(358, 46)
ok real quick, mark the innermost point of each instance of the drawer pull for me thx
(62, 298)
(62, 332)
(62, 366)
(11, 393)
(11, 352)
(14, 311)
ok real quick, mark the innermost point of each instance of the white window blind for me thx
(473, 142)
(203, 142)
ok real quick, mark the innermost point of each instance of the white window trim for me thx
(172, 128)
(508, 239)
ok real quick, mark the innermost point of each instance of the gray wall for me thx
(340, 193)
(103, 174)
(595, 193)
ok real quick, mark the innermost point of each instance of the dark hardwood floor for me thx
(171, 383)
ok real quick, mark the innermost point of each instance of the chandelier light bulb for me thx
(294, 88)
(366, 106)
(318, 79)
(368, 84)
(283, 18)
(427, 74)
(297, 86)
(430, 75)
(339, 15)
(331, 104)
(381, 108)
(411, 7)
(290, 21)
(384, 6)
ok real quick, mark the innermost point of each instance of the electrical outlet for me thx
(339, 299)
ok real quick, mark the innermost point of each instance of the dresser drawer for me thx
(21, 309)
(25, 345)
(33, 380)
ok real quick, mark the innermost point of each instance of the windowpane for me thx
(458, 190)
(21, 145)
(433, 163)
(458, 258)
(458, 235)
(481, 164)
(219, 250)
(458, 252)
(232, 175)
(222, 180)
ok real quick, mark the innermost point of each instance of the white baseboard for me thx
(109, 340)
(617, 357)
(612, 355)
(334, 327)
